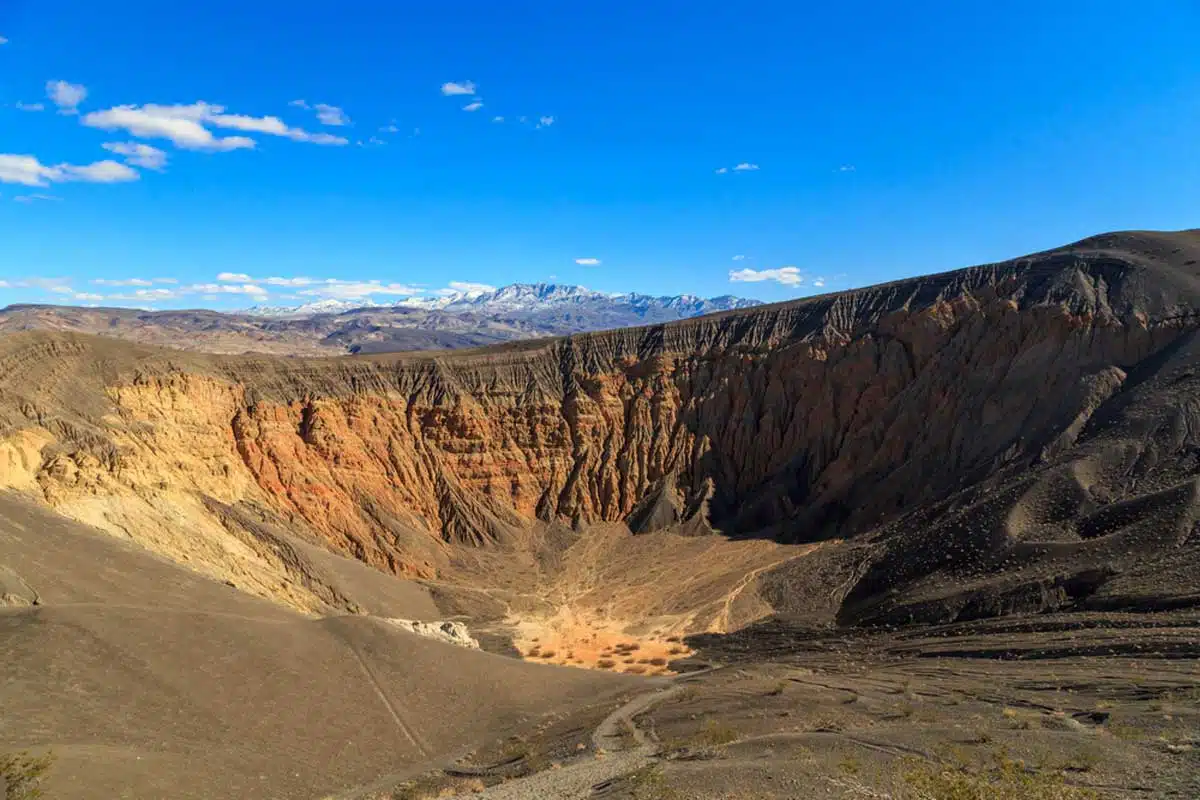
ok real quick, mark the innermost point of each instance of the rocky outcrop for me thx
(450, 632)
(819, 419)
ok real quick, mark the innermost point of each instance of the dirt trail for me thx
(722, 623)
(581, 779)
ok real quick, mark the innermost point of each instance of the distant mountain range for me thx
(531, 298)
(329, 327)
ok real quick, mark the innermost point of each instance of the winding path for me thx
(582, 779)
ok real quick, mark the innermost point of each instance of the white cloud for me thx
(3, 41)
(67, 96)
(545, 122)
(143, 295)
(497, 119)
(722, 170)
(331, 115)
(299, 104)
(187, 126)
(140, 155)
(224, 288)
(786, 276)
(356, 290)
(739, 258)
(846, 168)
(234, 277)
(450, 88)
(100, 172)
(87, 296)
(28, 171)
(475, 106)
(30, 106)
(288, 281)
(746, 167)
(125, 282)
(588, 262)
(469, 287)
(819, 283)
(25, 170)
(181, 125)
(389, 128)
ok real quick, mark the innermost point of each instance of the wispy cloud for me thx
(225, 288)
(188, 126)
(36, 198)
(474, 106)
(545, 122)
(331, 115)
(234, 277)
(746, 167)
(470, 287)
(497, 119)
(140, 155)
(721, 170)
(181, 125)
(588, 262)
(122, 282)
(819, 282)
(846, 168)
(357, 290)
(326, 114)
(29, 106)
(786, 276)
(389, 128)
(28, 171)
(287, 281)
(67, 96)
(739, 258)
(451, 88)
(3, 41)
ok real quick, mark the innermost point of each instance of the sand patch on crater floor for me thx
(586, 639)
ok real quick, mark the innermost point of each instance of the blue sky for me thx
(880, 140)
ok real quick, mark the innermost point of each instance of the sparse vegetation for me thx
(606, 663)
(1004, 779)
(430, 787)
(21, 775)
(649, 783)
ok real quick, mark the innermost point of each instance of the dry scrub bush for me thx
(21, 775)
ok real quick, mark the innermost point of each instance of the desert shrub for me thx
(21, 775)
(658, 662)
(606, 663)
(717, 733)
(636, 669)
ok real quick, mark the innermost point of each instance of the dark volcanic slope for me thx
(1012, 436)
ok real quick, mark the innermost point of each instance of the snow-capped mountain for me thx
(525, 299)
